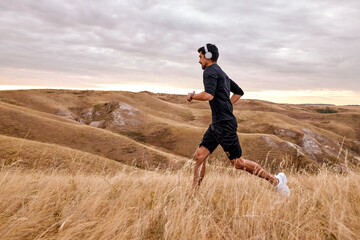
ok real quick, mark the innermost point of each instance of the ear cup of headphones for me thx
(208, 55)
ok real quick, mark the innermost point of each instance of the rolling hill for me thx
(116, 165)
(151, 131)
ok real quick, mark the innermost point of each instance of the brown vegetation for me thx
(159, 205)
(116, 165)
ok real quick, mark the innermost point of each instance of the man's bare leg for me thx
(254, 168)
(201, 155)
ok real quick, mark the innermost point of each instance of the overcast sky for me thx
(264, 45)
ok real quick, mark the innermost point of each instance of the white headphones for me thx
(208, 55)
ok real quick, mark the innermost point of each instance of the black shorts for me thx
(223, 133)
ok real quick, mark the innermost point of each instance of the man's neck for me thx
(211, 64)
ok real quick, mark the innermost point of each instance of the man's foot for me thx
(281, 187)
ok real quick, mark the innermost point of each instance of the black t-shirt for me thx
(218, 84)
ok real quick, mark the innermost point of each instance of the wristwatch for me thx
(191, 96)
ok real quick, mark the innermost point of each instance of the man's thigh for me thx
(230, 141)
(209, 140)
(202, 152)
(231, 146)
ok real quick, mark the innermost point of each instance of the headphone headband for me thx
(208, 55)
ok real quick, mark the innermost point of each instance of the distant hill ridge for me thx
(151, 131)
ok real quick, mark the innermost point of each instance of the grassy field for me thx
(117, 165)
(160, 205)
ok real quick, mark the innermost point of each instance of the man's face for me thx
(203, 61)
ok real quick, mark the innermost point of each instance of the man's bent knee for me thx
(238, 163)
(201, 154)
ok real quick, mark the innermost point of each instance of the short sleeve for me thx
(234, 88)
(210, 82)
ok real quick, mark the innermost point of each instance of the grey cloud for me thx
(274, 44)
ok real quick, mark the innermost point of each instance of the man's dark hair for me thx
(211, 48)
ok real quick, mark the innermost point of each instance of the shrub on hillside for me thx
(326, 110)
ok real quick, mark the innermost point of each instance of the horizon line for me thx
(275, 96)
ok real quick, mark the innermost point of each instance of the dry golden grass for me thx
(159, 205)
(62, 182)
(27, 154)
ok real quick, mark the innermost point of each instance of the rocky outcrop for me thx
(124, 115)
(309, 144)
(110, 114)
(69, 115)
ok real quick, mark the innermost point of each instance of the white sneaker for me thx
(281, 187)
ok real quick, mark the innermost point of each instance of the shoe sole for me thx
(283, 177)
(284, 180)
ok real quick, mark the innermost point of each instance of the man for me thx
(224, 125)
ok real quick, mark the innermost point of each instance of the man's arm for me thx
(234, 98)
(238, 92)
(203, 96)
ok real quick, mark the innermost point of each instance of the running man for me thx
(224, 124)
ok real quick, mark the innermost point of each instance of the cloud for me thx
(264, 45)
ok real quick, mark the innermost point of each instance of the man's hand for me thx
(190, 96)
